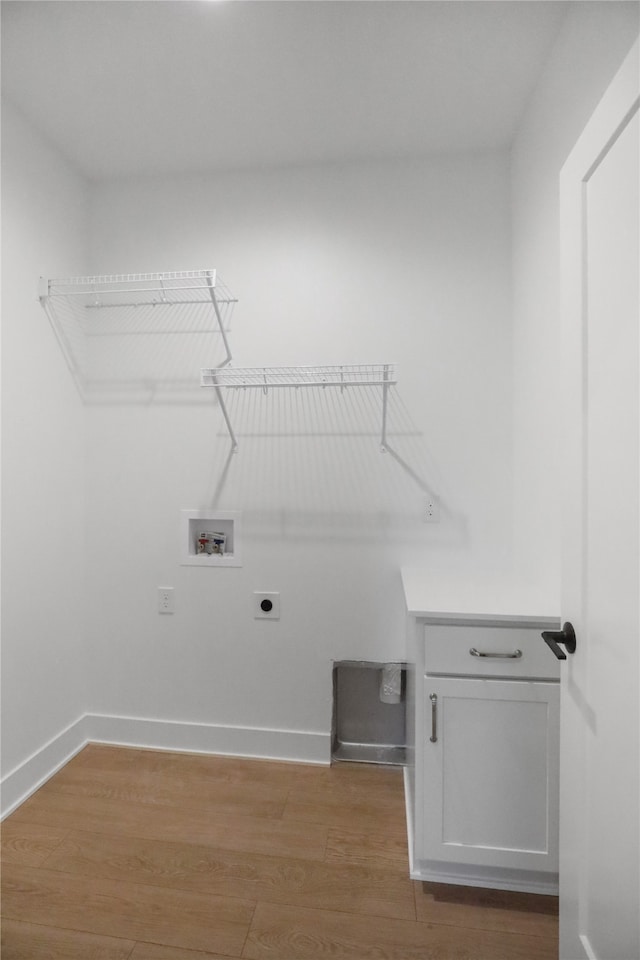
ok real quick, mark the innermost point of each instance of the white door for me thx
(599, 799)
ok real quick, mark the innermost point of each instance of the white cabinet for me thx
(490, 773)
(482, 781)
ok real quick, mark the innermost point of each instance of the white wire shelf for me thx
(265, 378)
(242, 378)
(140, 289)
(115, 330)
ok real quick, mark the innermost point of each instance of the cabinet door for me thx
(491, 775)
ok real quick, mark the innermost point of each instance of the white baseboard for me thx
(28, 776)
(253, 742)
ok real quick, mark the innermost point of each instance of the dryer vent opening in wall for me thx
(369, 712)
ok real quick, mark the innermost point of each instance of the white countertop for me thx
(430, 596)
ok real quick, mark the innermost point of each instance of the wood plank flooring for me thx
(146, 855)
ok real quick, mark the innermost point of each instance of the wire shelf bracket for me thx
(343, 377)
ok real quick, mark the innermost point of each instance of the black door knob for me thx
(566, 636)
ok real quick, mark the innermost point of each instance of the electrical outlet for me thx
(266, 606)
(431, 510)
(165, 599)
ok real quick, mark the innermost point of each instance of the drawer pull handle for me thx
(496, 656)
(434, 718)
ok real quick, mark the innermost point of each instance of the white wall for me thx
(404, 262)
(43, 653)
(590, 47)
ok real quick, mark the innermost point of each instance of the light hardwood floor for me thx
(144, 855)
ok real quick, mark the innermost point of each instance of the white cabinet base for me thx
(482, 782)
(492, 878)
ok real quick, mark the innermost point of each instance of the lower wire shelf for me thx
(265, 378)
(353, 375)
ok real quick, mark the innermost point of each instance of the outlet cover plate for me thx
(165, 600)
(266, 605)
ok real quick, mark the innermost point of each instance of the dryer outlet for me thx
(266, 606)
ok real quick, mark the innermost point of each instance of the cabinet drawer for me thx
(499, 652)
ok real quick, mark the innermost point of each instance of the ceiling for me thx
(149, 87)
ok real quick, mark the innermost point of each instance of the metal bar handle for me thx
(434, 718)
(496, 656)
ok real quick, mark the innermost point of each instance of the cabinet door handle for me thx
(434, 718)
(496, 656)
